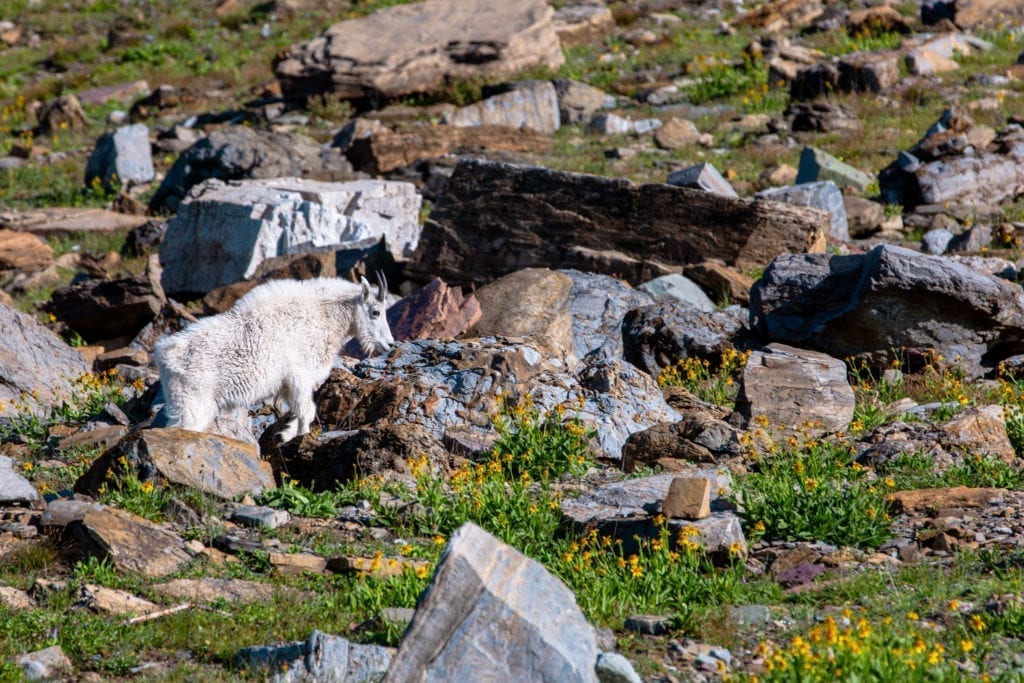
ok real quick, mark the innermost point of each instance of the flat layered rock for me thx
(24, 252)
(494, 218)
(131, 543)
(229, 590)
(418, 48)
(67, 220)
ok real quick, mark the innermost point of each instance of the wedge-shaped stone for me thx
(132, 543)
(492, 609)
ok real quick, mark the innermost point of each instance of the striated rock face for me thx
(416, 48)
(224, 231)
(597, 304)
(36, 361)
(889, 299)
(492, 609)
(495, 218)
(794, 389)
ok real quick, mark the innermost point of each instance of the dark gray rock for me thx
(704, 177)
(108, 309)
(657, 336)
(889, 299)
(492, 609)
(822, 117)
(817, 165)
(236, 153)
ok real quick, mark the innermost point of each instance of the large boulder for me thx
(532, 304)
(887, 300)
(419, 47)
(495, 218)
(223, 231)
(34, 362)
(660, 335)
(106, 309)
(493, 613)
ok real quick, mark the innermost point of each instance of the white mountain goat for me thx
(278, 341)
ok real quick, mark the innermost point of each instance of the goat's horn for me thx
(382, 283)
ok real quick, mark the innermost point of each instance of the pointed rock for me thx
(132, 543)
(491, 608)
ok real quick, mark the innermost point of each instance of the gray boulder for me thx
(676, 287)
(121, 158)
(889, 299)
(323, 657)
(419, 47)
(441, 384)
(223, 231)
(597, 304)
(821, 195)
(702, 176)
(817, 165)
(35, 361)
(494, 613)
(237, 153)
(579, 102)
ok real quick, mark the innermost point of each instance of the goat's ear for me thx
(366, 288)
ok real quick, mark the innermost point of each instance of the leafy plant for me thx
(142, 498)
(301, 501)
(814, 493)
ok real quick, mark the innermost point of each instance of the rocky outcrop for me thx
(494, 218)
(597, 304)
(374, 57)
(658, 336)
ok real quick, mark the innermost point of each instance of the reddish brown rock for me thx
(436, 311)
(688, 498)
(919, 500)
(132, 543)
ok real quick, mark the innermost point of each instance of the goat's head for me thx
(371, 320)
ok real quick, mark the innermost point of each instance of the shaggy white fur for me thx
(278, 341)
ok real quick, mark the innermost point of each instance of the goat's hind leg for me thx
(302, 408)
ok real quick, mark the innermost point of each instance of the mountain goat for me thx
(277, 341)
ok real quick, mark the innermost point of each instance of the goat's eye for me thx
(374, 312)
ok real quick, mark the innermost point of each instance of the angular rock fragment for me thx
(490, 608)
(107, 309)
(531, 105)
(121, 158)
(436, 311)
(130, 542)
(658, 336)
(322, 657)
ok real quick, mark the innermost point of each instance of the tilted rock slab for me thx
(24, 252)
(888, 299)
(419, 47)
(493, 613)
(532, 105)
(217, 465)
(223, 231)
(441, 385)
(436, 311)
(796, 391)
(495, 218)
(34, 359)
(14, 488)
(132, 543)
(626, 509)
